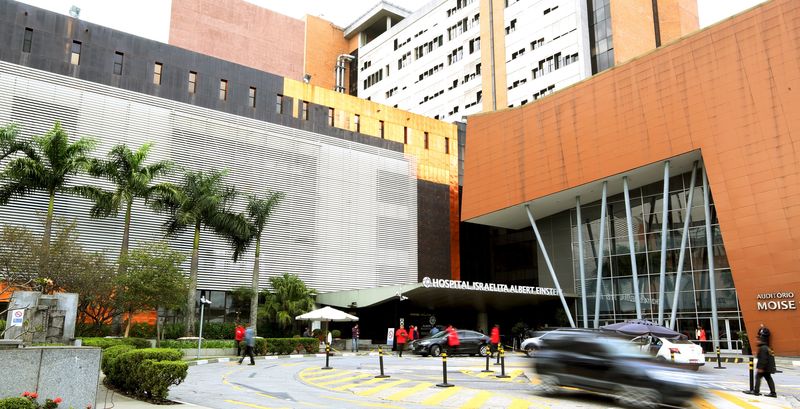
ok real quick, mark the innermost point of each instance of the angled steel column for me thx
(601, 247)
(580, 263)
(549, 265)
(686, 218)
(663, 276)
(634, 268)
(712, 285)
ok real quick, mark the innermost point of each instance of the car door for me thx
(593, 365)
(467, 339)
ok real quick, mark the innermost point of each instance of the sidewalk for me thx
(785, 361)
(107, 399)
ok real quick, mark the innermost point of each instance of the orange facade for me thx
(731, 91)
(240, 32)
(633, 25)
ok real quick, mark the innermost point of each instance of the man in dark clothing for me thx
(765, 367)
(356, 336)
(250, 343)
(763, 334)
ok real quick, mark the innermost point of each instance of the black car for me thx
(472, 343)
(610, 365)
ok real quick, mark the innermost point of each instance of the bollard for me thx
(487, 364)
(719, 360)
(444, 383)
(672, 356)
(750, 365)
(327, 357)
(499, 351)
(380, 359)
(502, 365)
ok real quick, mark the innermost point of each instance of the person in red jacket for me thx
(452, 340)
(238, 335)
(494, 338)
(402, 337)
(412, 333)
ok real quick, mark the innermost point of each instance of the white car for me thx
(685, 352)
(533, 344)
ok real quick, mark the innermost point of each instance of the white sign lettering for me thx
(776, 301)
(490, 287)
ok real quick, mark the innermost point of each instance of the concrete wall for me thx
(65, 372)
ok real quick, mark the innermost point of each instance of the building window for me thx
(75, 58)
(380, 128)
(447, 145)
(118, 60)
(304, 110)
(157, 68)
(357, 120)
(426, 140)
(223, 90)
(405, 135)
(251, 97)
(192, 82)
(330, 117)
(27, 40)
(279, 104)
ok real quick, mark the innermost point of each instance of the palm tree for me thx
(289, 298)
(48, 165)
(202, 201)
(259, 210)
(9, 144)
(132, 179)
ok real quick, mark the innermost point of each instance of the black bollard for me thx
(672, 356)
(380, 359)
(750, 365)
(499, 351)
(502, 365)
(327, 357)
(719, 360)
(487, 363)
(444, 383)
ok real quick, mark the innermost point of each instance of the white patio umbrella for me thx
(326, 315)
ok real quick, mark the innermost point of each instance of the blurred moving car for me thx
(610, 365)
(534, 343)
(472, 343)
(686, 352)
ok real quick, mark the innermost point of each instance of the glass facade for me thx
(600, 35)
(617, 295)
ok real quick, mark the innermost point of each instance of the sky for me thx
(150, 18)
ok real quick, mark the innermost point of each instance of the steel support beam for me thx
(600, 246)
(580, 263)
(631, 245)
(664, 233)
(712, 285)
(686, 219)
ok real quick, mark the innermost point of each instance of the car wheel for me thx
(639, 397)
(548, 384)
(530, 351)
(436, 350)
(483, 350)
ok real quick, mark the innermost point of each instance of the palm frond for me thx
(105, 203)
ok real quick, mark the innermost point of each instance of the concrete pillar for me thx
(483, 322)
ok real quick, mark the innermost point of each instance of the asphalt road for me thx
(301, 383)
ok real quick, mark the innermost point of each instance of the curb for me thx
(268, 358)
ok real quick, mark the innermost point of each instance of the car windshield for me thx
(437, 335)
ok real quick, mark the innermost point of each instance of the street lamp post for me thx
(203, 303)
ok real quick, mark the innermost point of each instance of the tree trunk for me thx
(123, 251)
(190, 305)
(254, 296)
(128, 326)
(44, 263)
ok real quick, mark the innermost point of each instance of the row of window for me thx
(455, 55)
(459, 5)
(553, 63)
(430, 97)
(544, 91)
(404, 61)
(429, 72)
(375, 78)
(428, 47)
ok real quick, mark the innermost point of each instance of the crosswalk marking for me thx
(330, 375)
(441, 396)
(519, 404)
(351, 378)
(379, 388)
(410, 391)
(733, 399)
(252, 405)
(357, 384)
(478, 400)
(702, 403)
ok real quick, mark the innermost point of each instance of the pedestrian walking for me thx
(701, 337)
(356, 335)
(238, 335)
(452, 340)
(250, 343)
(412, 333)
(763, 333)
(494, 338)
(402, 337)
(765, 368)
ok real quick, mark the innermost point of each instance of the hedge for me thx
(147, 373)
(207, 343)
(17, 403)
(283, 346)
(112, 342)
(111, 354)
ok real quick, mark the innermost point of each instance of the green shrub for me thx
(157, 376)
(174, 331)
(2, 325)
(16, 403)
(110, 355)
(207, 343)
(284, 346)
(336, 333)
(142, 330)
(219, 330)
(112, 342)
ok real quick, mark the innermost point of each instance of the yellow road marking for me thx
(441, 396)
(515, 373)
(252, 405)
(478, 400)
(485, 374)
(410, 391)
(359, 376)
(319, 378)
(519, 404)
(366, 404)
(292, 364)
(355, 384)
(379, 388)
(702, 403)
(734, 399)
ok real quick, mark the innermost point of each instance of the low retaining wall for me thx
(204, 352)
(69, 373)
